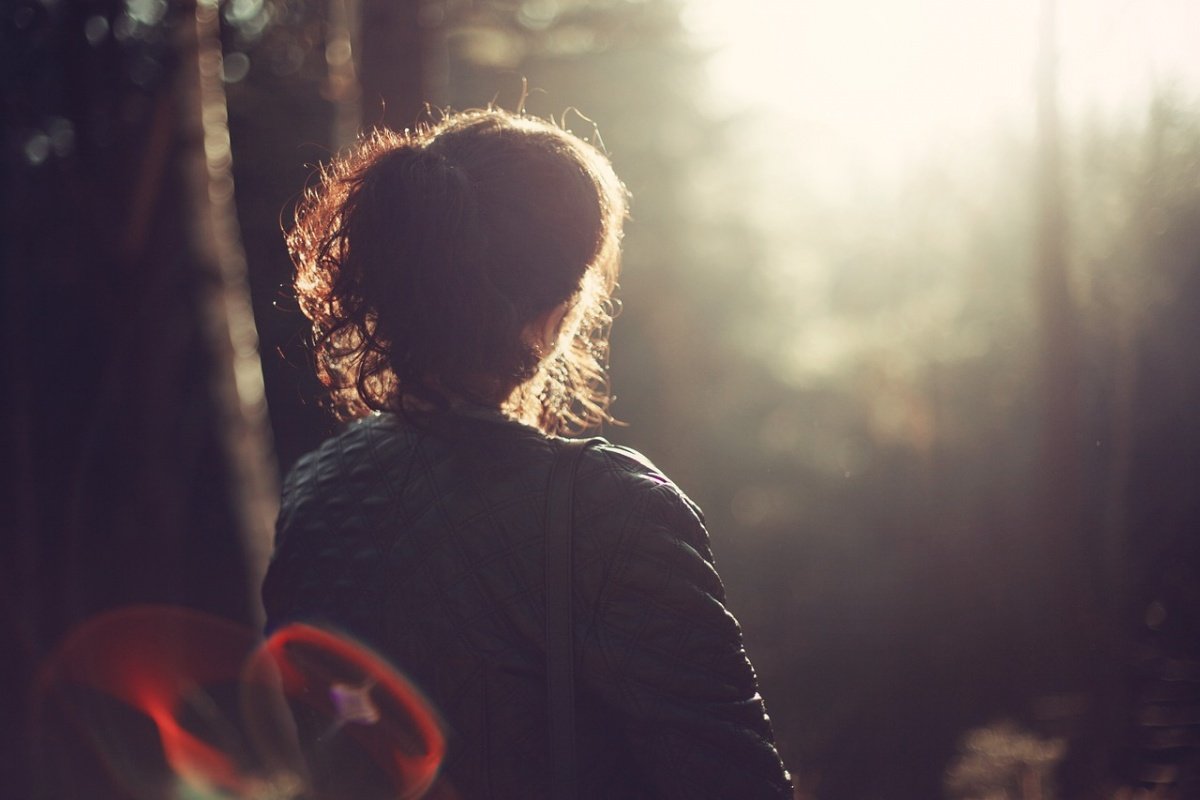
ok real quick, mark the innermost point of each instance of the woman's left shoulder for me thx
(619, 483)
(628, 470)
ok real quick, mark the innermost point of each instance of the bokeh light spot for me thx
(37, 148)
(95, 30)
(235, 67)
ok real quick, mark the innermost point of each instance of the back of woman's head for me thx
(423, 258)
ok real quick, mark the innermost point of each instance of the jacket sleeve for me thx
(666, 656)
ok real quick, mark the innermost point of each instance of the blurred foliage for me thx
(1002, 762)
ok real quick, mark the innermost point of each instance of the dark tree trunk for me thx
(391, 63)
(134, 469)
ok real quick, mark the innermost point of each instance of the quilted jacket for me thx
(425, 540)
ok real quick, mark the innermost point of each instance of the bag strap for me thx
(560, 656)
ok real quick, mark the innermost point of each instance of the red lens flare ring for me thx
(169, 664)
(361, 695)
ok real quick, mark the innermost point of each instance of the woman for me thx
(458, 279)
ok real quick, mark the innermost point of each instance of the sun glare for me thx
(883, 81)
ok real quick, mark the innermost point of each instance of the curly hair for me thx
(422, 257)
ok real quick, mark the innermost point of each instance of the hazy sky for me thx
(888, 79)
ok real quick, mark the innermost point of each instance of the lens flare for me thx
(359, 723)
(161, 702)
(160, 662)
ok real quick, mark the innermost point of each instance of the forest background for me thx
(939, 415)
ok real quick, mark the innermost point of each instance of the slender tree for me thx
(392, 62)
(132, 411)
(1059, 505)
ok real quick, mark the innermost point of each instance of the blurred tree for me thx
(135, 459)
(312, 74)
(1059, 491)
(1138, 185)
(293, 94)
(392, 62)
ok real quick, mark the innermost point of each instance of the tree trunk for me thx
(391, 63)
(1059, 506)
(134, 466)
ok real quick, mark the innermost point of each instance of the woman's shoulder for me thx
(621, 485)
(358, 459)
(354, 445)
(623, 467)
(626, 469)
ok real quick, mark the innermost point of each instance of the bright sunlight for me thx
(884, 81)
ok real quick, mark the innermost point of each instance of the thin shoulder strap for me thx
(560, 656)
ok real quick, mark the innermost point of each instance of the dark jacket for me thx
(426, 541)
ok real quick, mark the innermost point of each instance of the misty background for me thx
(911, 304)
